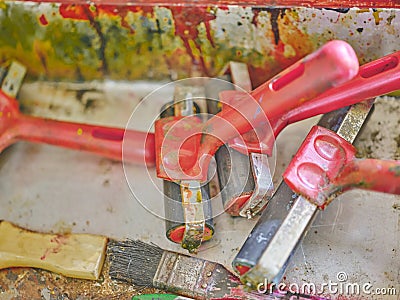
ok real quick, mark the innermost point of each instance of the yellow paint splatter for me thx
(376, 17)
(79, 131)
(289, 51)
(1, 114)
(199, 198)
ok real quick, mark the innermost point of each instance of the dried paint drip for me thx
(187, 22)
(275, 14)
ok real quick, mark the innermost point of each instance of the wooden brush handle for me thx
(72, 255)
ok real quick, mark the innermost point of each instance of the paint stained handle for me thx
(72, 255)
(376, 78)
(369, 174)
(331, 65)
(325, 166)
(104, 141)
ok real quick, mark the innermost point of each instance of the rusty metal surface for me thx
(61, 41)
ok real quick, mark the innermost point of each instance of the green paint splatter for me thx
(395, 170)
(125, 45)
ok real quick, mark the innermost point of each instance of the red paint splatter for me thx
(72, 11)
(79, 11)
(59, 240)
(115, 10)
(187, 19)
(43, 20)
(337, 19)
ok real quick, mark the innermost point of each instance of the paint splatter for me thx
(59, 240)
(43, 20)
(275, 13)
(187, 20)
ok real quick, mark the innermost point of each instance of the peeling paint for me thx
(129, 42)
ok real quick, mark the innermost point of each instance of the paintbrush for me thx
(142, 264)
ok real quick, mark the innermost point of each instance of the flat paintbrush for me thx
(142, 264)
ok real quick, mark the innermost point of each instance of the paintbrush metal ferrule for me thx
(191, 276)
(202, 279)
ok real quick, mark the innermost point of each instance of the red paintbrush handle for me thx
(104, 141)
(325, 165)
(376, 78)
(368, 174)
(331, 65)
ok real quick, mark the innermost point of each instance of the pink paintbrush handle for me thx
(331, 65)
(104, 141)
(369, 174)
(376, 78)
(325, 165)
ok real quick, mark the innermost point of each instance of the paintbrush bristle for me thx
(133, 261)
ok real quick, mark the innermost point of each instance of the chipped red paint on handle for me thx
(319, 159)
(369, 174)
(325, 165)
(376, 78)
(104, 141)
(331, 65)
(170, 132)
